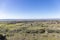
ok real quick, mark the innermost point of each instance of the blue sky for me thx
(29, 9)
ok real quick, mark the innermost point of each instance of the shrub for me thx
(50, 31)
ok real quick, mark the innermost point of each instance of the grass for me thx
(16, 31)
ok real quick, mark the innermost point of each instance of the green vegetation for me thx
(31, 30)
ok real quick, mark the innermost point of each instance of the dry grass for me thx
(16, 31)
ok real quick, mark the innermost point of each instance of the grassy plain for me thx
(31, 30)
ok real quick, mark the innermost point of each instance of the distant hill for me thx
(26, 19)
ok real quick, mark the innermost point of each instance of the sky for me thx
(29, 9)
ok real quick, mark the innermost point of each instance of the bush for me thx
(50, 31)
(35, 31)
(57, 31)
(41, 31)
